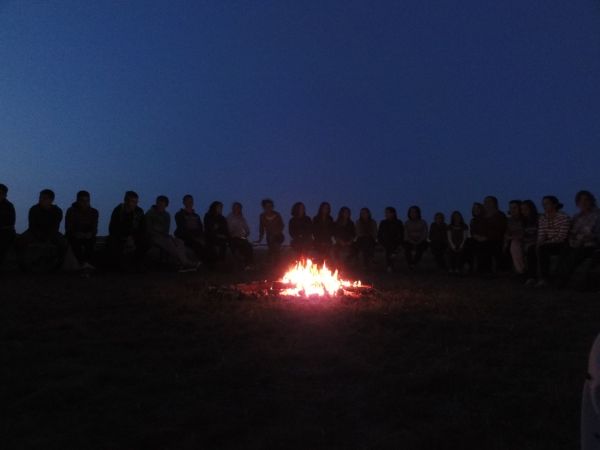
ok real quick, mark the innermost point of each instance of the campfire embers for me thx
(306, 279)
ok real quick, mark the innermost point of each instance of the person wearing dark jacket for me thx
(344, 233)
(415, 237)
(81, 228)
(271, 226)
(438, 239)
(366, 237)
(473, 246)
(323, 231)
(127, 231)
(7, 223)
(216, 231)
(457, 233)
(300, 227)
(190, 230)
(494, 229)
(390, 235)
(44, 223)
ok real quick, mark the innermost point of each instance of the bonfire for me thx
(306, 279)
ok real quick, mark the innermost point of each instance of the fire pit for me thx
(305, 279)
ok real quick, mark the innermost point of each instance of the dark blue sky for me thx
(356, 102)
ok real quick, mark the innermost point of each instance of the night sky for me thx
(360, 103)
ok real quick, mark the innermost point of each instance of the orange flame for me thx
(307, 279)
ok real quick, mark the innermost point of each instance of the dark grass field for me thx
(163, 360)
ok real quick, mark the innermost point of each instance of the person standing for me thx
(438, 240)
(271, 226)
(239, 232)
(553, 233)
(415, 237)
(81, 228)
(457, 233)
(7, 223)
(390, 235)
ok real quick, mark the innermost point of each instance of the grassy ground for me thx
(162, 360)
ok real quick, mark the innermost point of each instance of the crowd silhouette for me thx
(539, 248)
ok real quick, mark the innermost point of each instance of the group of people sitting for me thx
(486, 245)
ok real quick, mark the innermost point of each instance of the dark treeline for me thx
(538, 247)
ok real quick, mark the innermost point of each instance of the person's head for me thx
(324, 209)
(83, 199)
(188, 202)
(585, 201)
(390, 213)
(162, 203)
(457, 218)
(130, 201)
(551, 204)
(365, 214)
(477, 209)
(268, 205)
(439, 218)
(529, 212)
(514, 208)
(215, 208)
(490, 204)
(46, 198)
(298, 210)
(236, 208)
(414, 213)
(344, 214)
(3, 192)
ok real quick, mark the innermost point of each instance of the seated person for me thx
(390, 235)
(215, 228)
(81, 228)
(344, 234)
(158, 226)
(42, 247)
(457, 235)
(7, 223)
(584, 237)
(190, 230)
(271, 226)
(127, 231)
(553, 234)
(438, 239)
(300, 226)
(366, 237)
(239, 231)
(415, 237)
(323, 229)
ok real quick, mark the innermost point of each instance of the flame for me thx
(306, 279)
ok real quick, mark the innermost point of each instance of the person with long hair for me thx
(344, 234)
(271, 226)
(458, 233)
(323, 230)
(530, 220)
(584, 236)
(366, 237)
(438, 239)
(415, 237)
(554, 226)
(239, 232)
(390, 235)
(300, 227)
(491, 256)
(216, 230)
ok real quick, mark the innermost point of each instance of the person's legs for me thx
(545, 254)
(484, 252)
(532, 262)
(438, 250)
(570, 259)
(389, 255)
(419, 250)
(518, 256)
(409, 249)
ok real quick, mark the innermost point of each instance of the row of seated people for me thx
(530, 239)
